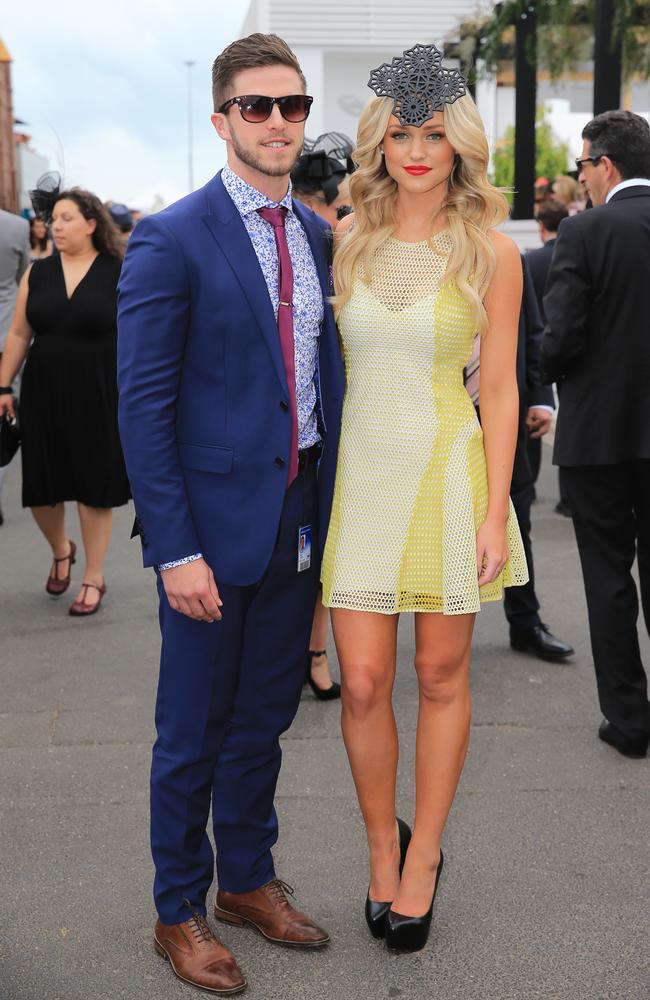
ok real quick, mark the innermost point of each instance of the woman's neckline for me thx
(418, 243)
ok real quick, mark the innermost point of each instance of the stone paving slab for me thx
(545, 890)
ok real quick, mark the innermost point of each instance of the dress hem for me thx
(411, 610)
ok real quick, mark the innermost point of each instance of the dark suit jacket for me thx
(203, 409)
(597, 339)
(539, 262)
(532, 391)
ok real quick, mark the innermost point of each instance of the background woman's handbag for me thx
(9, 436)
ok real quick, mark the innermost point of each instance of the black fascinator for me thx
(323, 164)
(418, 83)
(45, 194)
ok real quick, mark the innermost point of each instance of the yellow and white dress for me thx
(411, 481)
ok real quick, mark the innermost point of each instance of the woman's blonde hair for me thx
(564, 188)
(473, 206)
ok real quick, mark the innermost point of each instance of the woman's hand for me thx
(491, 550)
(7, 405)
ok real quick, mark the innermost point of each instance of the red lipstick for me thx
(417, 170)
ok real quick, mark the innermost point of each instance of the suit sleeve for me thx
(566, 304)
(537, 394)
(153, 321)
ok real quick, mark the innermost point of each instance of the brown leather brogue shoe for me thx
(197, 956)
(269, 910)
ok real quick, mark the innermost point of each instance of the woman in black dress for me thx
(65, 324)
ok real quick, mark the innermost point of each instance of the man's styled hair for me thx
(625, 138)
(249, 53)
(551, 214)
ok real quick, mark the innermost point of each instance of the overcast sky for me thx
(103, 89)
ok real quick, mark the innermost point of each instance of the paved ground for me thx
(545, 890)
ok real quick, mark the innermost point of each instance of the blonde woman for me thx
(422, 519)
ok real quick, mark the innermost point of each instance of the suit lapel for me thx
(226, 226)
(316, 239)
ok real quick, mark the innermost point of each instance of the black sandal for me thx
(323, 694)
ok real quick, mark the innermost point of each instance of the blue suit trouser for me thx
(226, 693)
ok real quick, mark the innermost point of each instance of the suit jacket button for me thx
(284, 406)
(280, 462)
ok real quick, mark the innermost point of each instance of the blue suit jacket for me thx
(203, 395)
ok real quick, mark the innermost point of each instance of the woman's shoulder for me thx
(506, 250)
(43, 263)
(110, 264)
(40, 268)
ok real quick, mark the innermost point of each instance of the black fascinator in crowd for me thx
(323, 164)
(418, 83)
(45, 194)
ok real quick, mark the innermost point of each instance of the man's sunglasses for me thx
(588, 159)
(255, 109)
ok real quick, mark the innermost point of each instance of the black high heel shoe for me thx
(323, 694)
(411, 933)
(376, 912)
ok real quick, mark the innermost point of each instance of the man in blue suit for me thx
(231, 387)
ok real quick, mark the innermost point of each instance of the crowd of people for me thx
(335, 373)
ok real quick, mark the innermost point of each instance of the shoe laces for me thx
(198, 925)
(277, 890)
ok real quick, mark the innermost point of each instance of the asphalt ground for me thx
(545, 892)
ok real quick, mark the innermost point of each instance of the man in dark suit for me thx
(231, 386)
(538, 261)
(528, 633)
(597, 348)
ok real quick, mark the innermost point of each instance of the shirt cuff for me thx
(181, 562)
(542, 406)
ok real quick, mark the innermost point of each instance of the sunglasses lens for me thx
(295, 108)
(256, 109)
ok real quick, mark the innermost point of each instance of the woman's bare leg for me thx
(51, 521)
(96, 524)
(442, 656)
(366, 645)
(318, 665)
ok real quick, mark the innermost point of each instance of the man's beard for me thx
(251, 160)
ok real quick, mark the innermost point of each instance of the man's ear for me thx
(220, 123)
(613, 169)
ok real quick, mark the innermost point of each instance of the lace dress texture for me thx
(411, 483)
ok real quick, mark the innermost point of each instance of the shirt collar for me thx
(248, 199)
(632, 182)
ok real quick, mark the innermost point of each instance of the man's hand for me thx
(192, 591)
(538, 421)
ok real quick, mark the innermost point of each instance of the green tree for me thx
(565, 33)
(550, 158)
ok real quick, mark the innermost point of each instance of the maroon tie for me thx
(276, 217)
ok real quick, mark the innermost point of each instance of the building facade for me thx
(8, 186)
(339, 42)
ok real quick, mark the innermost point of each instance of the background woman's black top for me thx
(68, 406)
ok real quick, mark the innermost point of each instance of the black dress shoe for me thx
(411, 933)
(539, 641)
(375, 911)
(636, 748)
(562, 507)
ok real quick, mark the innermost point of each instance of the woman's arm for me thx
(499, 402)
(16, 345)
